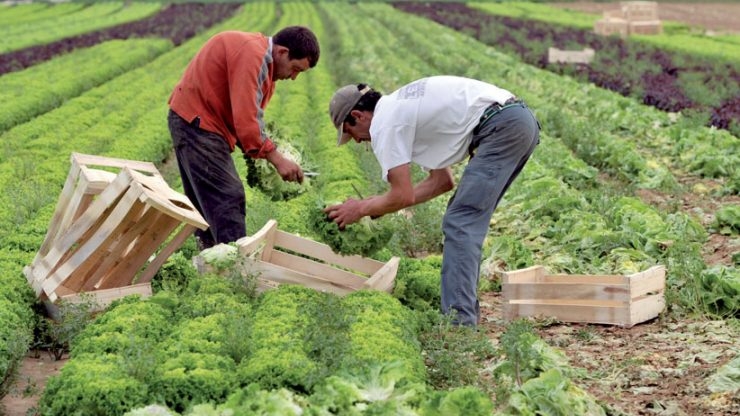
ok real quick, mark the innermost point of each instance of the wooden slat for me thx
(137, 245)
(570, 302)
(104, 297)
(646, 308)
(81, 159)
(86, 254)
(165, 253)
(651, 280)
(56, 220)
(82, 182)
(314, 268)
(384, 278)
(566, 290)
(585, 279)
(63, 248)
(101, 208)
(282, 275)
(155, 192)
(530, 274)
(250, 244)
(114, 251)
(324, 253)
(290, 259)
(618, 315)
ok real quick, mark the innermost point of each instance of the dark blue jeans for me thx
(210, 181)
(501, 148)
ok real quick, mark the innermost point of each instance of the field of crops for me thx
(639, 165)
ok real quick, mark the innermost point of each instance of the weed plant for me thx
(56, 334)
(454, 355)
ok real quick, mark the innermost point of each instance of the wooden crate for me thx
(84, 182)
(623, 300)
(639, 11)
(654, 27)
(611, 26)
(585, 56)
(109, 250)
(276, 257)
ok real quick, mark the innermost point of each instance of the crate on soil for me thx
(274, 257)
(555, 55)
(623, 300)
(112, 229)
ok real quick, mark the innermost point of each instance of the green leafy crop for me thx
(262, 175)
(364, 238)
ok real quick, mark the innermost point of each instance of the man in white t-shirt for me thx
(436, 122)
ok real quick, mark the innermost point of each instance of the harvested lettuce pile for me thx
(263, 176)
(364, 238)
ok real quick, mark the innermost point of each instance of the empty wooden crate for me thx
(276, 257)
(623, 300)
(116, 245)
(86, 179)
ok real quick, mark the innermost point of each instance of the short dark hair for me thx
(367, 103)
(301, 43)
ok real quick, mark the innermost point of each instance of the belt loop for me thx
(494, 109)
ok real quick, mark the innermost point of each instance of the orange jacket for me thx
(228, 85)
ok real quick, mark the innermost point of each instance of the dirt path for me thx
(29, 385)
(659, 367)
(715, 17)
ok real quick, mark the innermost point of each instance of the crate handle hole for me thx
(182, 205)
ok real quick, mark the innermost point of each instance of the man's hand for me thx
(346, 213)
(286, 168)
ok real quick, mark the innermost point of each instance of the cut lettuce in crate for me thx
(364, 238)
(263, 176)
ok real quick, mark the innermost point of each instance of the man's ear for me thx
(357, 114)
(281, 50)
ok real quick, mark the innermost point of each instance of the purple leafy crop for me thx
(177, 22)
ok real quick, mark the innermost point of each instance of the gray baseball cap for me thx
(343, 101)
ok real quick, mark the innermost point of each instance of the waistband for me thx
(494, 109)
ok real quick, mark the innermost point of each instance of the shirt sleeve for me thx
(251, 87)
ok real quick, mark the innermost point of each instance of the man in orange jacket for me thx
(218, 105)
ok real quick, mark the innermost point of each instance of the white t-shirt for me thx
(430, 121)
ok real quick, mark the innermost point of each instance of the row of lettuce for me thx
(121, 118)
(292, 350)
(176, 22)
(104, 348)
(678, 71)
(643, 145)
(567, 194)
(676, 36)
(124, 118)
(114, 339)
(30, 25)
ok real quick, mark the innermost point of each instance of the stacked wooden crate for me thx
(633, 18)
(613, 23)
(109, 234)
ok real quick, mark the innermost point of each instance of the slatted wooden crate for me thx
(84, 182)
(611, 26)
(623, 300)
(116, 241)
(632, 18)
(654, 27)
(276, 257)
(585, 56)
(639, 11)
